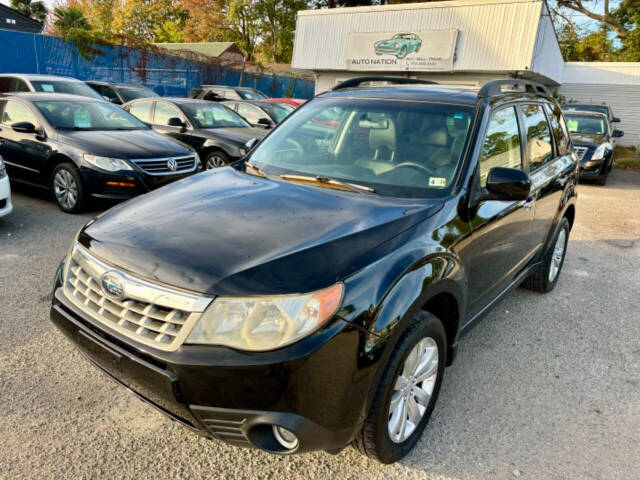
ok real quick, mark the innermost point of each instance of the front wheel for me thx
(68, 188)
(403, 52)
(216, 159)
(545, 278)
(407, 392)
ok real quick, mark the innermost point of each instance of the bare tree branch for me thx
(605, 17)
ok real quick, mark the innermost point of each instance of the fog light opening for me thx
(285, 438)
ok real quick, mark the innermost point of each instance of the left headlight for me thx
(265, 323)
(3, 169)
(601, 151)
(106, 163)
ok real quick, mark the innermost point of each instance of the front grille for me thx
(580, 151)
(146, 312)
(160, 166)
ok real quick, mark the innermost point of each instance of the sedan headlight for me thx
(106, 163)
(601, 151)
(3, 169)
(265, 323)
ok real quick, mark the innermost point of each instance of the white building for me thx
(467, 42)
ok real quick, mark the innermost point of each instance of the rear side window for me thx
(12, 84)
(165, 111)
(250, 113)
(559, 128)
(142, 110)
(16, 112)
(539, 146)
(502, 143)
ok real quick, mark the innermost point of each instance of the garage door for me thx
(623, 99)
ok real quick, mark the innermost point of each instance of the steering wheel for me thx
(417, 166)
(297, 146)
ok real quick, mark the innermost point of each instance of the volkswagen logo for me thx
(112, 285)
(172, 164)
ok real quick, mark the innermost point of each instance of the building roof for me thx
(210, 49)
(494, 36)
(602, 73)
(27, 24)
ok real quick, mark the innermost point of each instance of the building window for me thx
(11, 21)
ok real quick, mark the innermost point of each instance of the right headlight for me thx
(106, 163)
(265, 323)
(601, 151)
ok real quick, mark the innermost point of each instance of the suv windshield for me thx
(396, 148)
(585, 124)
(212, 115)
(588, 108)
(131, 93)
(65, 86)
(79, 115)
(251, 94)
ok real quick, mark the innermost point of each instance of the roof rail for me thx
(357, 81)
(495, 87)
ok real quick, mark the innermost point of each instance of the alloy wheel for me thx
(214, 161)
(65, 189)
(557, 255)
(412, 390)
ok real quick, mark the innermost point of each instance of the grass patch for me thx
(626, 158)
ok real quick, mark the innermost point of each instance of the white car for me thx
(5, 191)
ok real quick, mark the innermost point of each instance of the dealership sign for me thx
(416, 50)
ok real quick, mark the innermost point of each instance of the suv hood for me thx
(124, 143)
(239, 136)
(224, 232)
(587, 139)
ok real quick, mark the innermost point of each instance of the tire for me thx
(602, 180)
(402, 53)
(542, 280)
(216, 159)
(67, 187)
(374, 440)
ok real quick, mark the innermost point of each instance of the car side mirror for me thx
(508, 184)
(265, 122)
(177, 122)
(115, 100)
(24, 127)
(252, 142)
(615, 119)
(617, 133)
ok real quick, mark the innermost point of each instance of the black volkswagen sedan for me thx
(592, 138)
(311, 297)
(82, 148)
(218, 134)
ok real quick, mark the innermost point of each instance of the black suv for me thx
(592, 138)
(312, 296)
(80, 148)
(218, 93)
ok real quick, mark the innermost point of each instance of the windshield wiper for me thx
(323, 180)
(255, 168)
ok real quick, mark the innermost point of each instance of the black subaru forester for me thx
(311, 295)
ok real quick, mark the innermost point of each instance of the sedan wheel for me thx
(558, 255)
(413, 389)
(66, 189)
(215, 160)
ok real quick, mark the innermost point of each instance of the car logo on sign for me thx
(172, 164)
(112, 285)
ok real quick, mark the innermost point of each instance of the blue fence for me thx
(167, 75)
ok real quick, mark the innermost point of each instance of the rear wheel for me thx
(407, 392)
(67, 187)
(216, 159)
(545, 279)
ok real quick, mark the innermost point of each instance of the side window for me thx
(20, 86)
(165, 111)
(142, 110)
(502, 143)
(214, 95)
(559, 128)
(539, 147)
(250, 113)
(12, 84)
(15, 112)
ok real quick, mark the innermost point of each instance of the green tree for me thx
(277, 25)
(141, 19)
(69, 19)
(170, 31)
(243, 23)
(32, 9)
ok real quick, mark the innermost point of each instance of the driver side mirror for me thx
(177, 122)
(24, 127)
(507, 184)
(265, 122)
(252, 142)
(617, 133)
(615, 119)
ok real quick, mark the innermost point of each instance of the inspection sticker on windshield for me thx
(437, 182)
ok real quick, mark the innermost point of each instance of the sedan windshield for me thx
(79, 115)
(395, 148)
(585, 124)
(65, 86)
(213, 115)
(131, 93)
(251, 94)
(588, 108)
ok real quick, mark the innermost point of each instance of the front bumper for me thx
(235, 396)
(5, 197)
